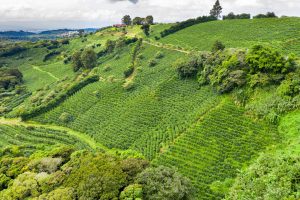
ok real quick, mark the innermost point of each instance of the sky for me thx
(53, 14)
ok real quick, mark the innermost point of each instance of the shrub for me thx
(152, 62)
(159, 55)
(50, 55)
(128, 71)
(187, 68)
(129, 85)
(218, 46)
(107, 68)
(66, 117)
(185, 24)
(133, 192)
(233, 16)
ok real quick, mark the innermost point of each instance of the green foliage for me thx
(187, 68)
(149, 20)
(239, 16)
(216, 10)
(272, 176)
(218, 46)
(89, 58)
(146, 29)
(66, 117)
(57, 99)
(268, 15)
(152, 62)
(132, 192)
(126, 20)
(182, 25)
(267, 60)
(156, 183)
(10, 78)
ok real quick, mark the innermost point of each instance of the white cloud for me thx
(15, 14)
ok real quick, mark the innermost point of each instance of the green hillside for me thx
(282, 33)
(167, 110)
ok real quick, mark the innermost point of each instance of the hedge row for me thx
(59, 99)
(190, 22)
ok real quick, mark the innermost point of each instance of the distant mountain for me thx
(48, 34)
(16, 33)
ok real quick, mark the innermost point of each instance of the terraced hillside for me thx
(171, 121)
(37, 136)
(282, 33)
(217, 146)
(155, 112)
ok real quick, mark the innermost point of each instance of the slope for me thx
(282, 33)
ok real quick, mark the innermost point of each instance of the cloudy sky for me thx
(50, 14)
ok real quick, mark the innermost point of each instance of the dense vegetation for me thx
(64, 173)
(144, 117)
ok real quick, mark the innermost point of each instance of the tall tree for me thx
(149, 20)
(216, 10)
(126, 20)
(138, 21)
(146, 29)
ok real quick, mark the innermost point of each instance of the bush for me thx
(185, 24)
(132, 192)
(159, 55)
(129, 85)
(188, 68)
(268, 15)
(233, 16)
(218, 46)
(152, 62)
(128, 71)
(66, 117)
(50, 55)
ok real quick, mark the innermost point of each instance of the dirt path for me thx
(81, 136)
(49, 73)
(165, 47)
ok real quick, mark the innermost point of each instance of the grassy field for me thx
(282, 33)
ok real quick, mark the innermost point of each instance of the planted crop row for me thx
(216, 147)
(20, 135)
(280, 33)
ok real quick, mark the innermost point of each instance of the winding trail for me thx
(40, 70)
(81, 136)
(165, 47)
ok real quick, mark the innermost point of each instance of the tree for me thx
(146, 29)
(149, 20)
(89, 58)
(216, 10)
(138, 21)
(164, 183)
(76, 61)
(126, 20)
